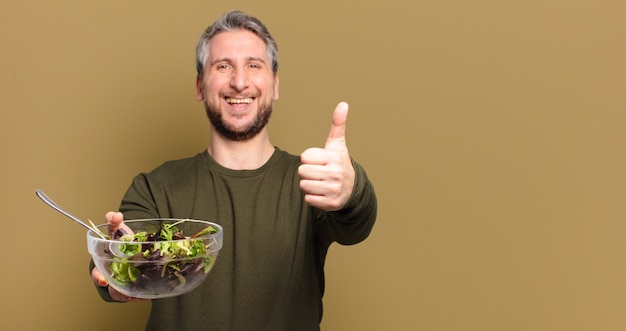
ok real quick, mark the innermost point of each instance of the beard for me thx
(239, 133)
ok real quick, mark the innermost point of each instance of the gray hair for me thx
(231, 21)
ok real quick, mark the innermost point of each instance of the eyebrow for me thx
(249, 58)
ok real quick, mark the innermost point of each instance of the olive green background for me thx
(494, 133)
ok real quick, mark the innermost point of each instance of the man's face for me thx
(238, 87)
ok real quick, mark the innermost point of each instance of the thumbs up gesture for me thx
(327, 174)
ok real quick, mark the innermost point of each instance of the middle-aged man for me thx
(280, 212)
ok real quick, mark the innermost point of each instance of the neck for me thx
(241, 155)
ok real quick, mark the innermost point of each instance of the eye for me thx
(222, 67)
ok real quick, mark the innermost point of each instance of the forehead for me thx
(237, 44)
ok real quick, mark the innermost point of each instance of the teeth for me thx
(239, 101)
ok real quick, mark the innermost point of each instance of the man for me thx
(280, 212)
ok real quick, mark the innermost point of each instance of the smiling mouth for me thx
(238, 101)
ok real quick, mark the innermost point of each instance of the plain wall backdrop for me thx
(493, 132)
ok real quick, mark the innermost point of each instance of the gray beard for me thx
(215, 117)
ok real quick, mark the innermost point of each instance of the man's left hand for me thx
(327, 174)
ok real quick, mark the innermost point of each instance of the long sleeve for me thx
(353, 223)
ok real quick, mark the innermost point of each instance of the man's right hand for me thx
(115, 222)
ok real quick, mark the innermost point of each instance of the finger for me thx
(314, 187)
(315, 200)
(312, 172)
(98, 279)
(322, 202)
(114, 218)
(118, 296)
(314, 156)
(338, 127)
(115, 224)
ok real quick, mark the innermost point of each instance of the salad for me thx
(162, 259)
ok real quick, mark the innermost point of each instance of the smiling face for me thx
(238, 86)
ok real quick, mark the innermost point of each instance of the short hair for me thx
(231, 21)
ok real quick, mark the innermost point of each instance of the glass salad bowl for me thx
(163, 257)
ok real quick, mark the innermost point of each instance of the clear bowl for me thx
(157, 269)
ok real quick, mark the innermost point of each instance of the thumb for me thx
(338, 127)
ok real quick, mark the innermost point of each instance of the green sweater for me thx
(269, 274)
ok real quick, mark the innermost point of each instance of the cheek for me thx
(271, 88)
(210, 90)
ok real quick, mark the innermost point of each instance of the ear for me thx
(276, 81)
(199, 95)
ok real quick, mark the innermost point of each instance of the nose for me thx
(239, 80)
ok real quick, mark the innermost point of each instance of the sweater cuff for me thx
(360, 179)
